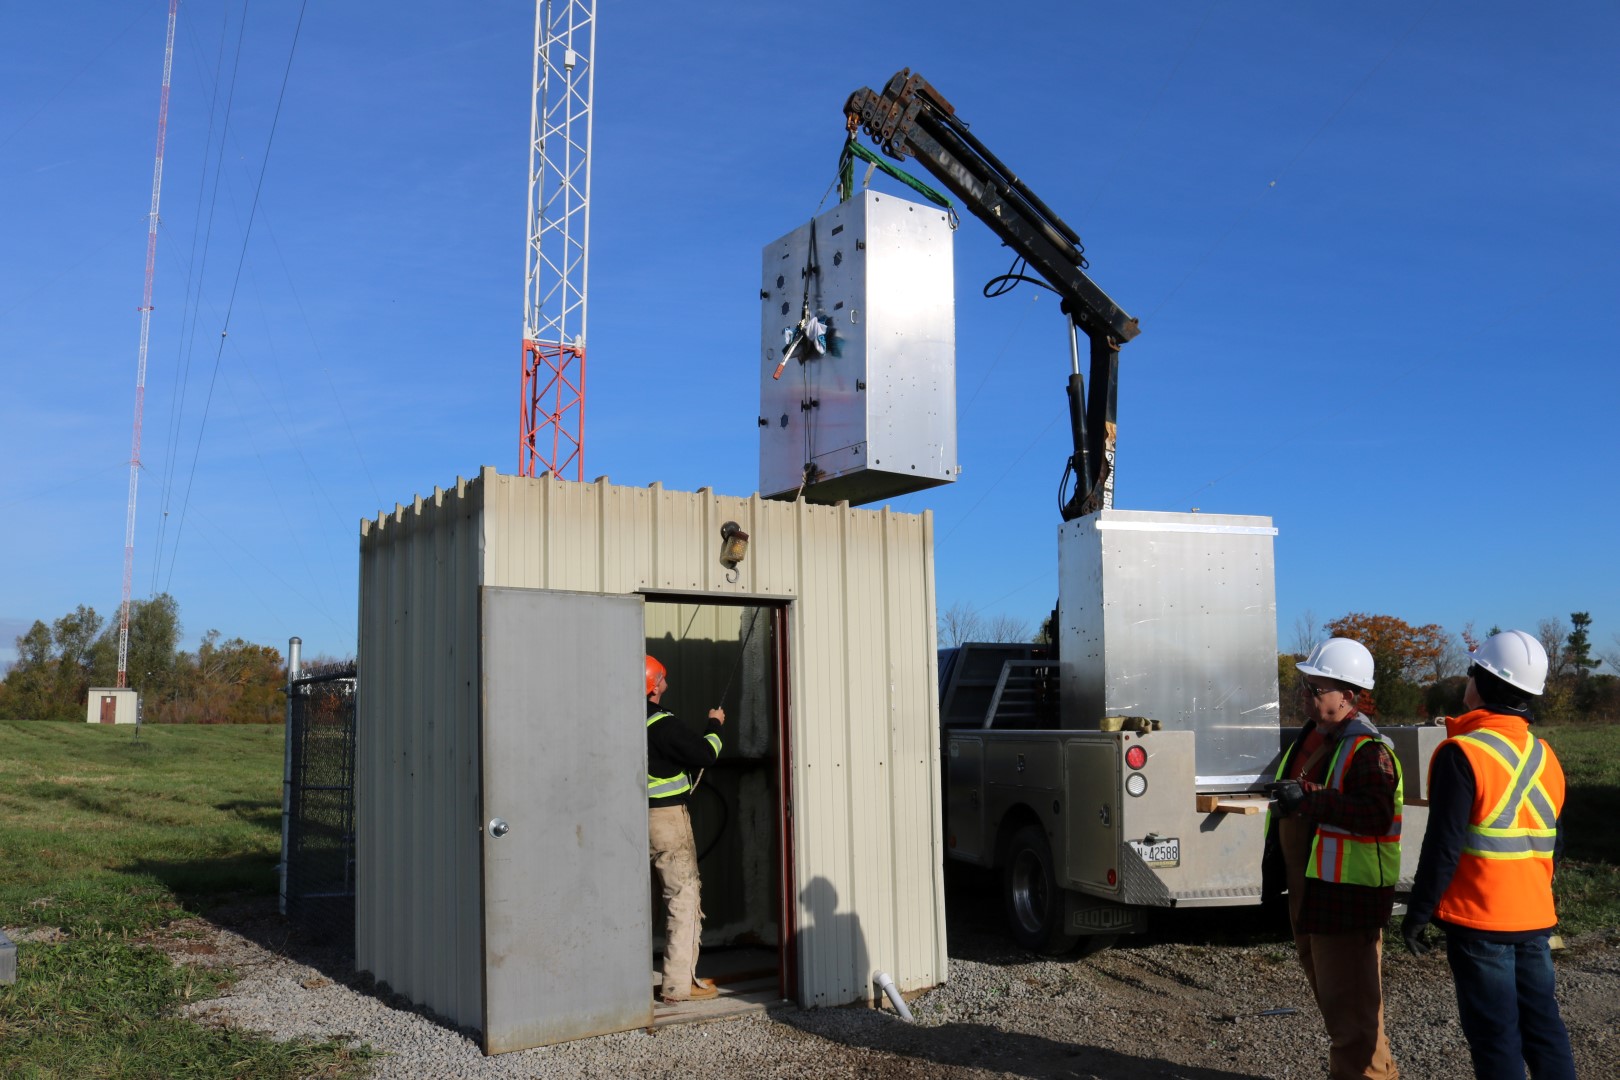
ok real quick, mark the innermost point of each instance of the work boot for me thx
(702, 990)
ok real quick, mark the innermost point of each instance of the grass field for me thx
(1588, 881)
(104, 839)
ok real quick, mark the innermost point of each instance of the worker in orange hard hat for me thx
(674, 752)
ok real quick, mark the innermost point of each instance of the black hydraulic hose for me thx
(742, 651)
(725, 822)
(961, 131)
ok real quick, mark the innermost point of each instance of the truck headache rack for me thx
(1005, 685)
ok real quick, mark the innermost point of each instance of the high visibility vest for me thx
(665, 787)
(1341, 856)
(1503, 879)
(1346, 858)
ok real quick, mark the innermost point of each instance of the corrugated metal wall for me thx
(865, 773)
(418, 901)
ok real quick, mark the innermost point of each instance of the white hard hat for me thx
(1516, 658)
(1342, 659)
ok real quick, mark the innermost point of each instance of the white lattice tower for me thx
(552, 434)
(140, 362)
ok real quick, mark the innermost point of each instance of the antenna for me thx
(140, 363)
(552, 433)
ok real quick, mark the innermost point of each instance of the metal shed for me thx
(112, 705)
(501, 840)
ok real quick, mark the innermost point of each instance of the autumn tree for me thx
(29, 690)
(50, 679)
(154, 638)
(1404, 657)
(225, 682)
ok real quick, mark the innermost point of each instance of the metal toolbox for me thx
(1174, 617)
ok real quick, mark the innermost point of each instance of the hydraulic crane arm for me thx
(912, 119)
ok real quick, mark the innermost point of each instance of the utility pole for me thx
(552, 432)
(140, 363)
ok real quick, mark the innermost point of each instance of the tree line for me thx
(1421, 671)
(224, 681)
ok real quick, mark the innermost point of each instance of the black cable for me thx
(725, 820)
(253, 210)
(812, 269)
(1063, 485)
(187, 341)
(92, 62)
(742, 651)
(1002, 284)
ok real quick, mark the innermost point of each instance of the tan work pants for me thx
(674, 857)
(1345, 973)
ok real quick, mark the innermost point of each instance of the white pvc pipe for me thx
(294, 659)
(892, 991)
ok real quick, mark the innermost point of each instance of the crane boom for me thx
(912, 119)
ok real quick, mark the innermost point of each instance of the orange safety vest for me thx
(1504, 875)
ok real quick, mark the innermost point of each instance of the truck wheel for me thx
(1034, 900)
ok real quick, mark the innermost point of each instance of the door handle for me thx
(498, 828)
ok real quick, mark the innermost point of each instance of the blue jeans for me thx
(1508, 1012)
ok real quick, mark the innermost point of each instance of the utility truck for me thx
(1119, 768)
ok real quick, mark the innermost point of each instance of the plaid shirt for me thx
(1366, 806)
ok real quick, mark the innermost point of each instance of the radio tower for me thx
(140, 363)
(552, 432)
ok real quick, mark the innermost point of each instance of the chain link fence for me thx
(318, 852)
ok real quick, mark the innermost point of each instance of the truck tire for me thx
(1033, 899)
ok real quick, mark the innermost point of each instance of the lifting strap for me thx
(846, 176)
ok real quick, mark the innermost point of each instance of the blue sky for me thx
(1372, 248)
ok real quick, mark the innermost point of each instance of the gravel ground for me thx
(1157, 1006)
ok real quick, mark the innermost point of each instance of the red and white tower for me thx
(140, 362)
(552, 432)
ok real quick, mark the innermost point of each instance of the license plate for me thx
(1160, 852)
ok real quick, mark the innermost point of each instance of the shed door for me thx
(109, 709)
(567, 912)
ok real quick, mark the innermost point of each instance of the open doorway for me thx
(732, 655)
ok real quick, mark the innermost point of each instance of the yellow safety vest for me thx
(664, 787)
(1344, 857)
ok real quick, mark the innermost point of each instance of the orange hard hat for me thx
(655, 671)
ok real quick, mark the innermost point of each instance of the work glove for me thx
(1288, 794)
(1412, 928)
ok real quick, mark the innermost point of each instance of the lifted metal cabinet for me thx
(875, 415)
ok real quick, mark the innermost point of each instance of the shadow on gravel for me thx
(979, 1046)
(257, 919)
